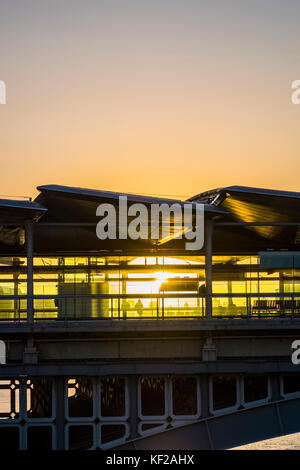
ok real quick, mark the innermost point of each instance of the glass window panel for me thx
(229, 306)
(9, 399)
(112, 432)
(183, 307)
(81, 437)
(138, 308)
(276, 260)
(255, 388)
(184, 392)
(269, 286)
(252, 286)
(224, 392)
(112, 396)
(39, 438)
(39, 397)
(80, 397)
(9, 438)
(152, 396)
(291, 383)
(148, 426)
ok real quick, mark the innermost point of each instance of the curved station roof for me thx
(65, 221)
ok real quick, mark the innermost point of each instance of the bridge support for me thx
(29, 253)
(60, 412)
(208, 227)
(30, 353)
(133, 405)
(209, 351)
(275, 387)
(204, 383)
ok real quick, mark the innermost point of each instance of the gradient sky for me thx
(168, 97)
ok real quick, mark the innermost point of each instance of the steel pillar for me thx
(133, 405)
(60, 412)
(275, 387)
(204, 387)
(208, 266)
(29, 254)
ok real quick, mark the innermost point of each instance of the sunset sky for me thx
(168, 97)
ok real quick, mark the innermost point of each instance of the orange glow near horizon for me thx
(157, 98)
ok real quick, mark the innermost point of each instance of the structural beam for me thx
(208, 227)
(133, 405)
(60, 412)
(226, 431)
(29, 254)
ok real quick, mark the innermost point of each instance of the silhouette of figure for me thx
(139, 308)
(202, 290)
(125, 307)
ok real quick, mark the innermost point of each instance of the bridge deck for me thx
(226, 431)
(159, 325)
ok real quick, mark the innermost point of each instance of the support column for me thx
(29, 254)
(276, 396)
(60, 412)
(17, 303)
(205, 408)
(30, 353)
(205, 396)
(275, 387)
(123, 308)
(23, 411)
(208, 227)
(133, 406)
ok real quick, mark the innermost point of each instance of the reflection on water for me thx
(290, 442)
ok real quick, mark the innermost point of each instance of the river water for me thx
(290, 442)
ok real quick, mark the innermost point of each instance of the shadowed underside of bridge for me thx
(228, 430)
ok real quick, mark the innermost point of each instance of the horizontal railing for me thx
(150, 306)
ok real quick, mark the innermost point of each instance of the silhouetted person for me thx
(202, 290)
(125, 307)
(139, 308)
